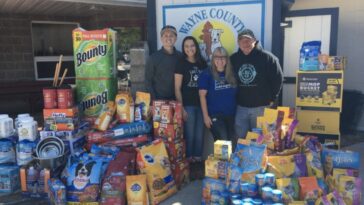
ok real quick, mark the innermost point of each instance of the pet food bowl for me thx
(51, 163)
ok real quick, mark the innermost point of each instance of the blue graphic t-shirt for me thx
(220, 94)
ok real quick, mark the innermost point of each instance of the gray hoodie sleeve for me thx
(149, 73)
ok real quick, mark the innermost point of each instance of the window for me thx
(50, 40)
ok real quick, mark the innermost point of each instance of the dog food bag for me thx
(290, 189)
(211, 187)
(339, 159)
(136, 190)
(153, 161)
(83, 182)
(309, 54)
(144, 100)
(131, 129)
(350, 189)
(124, 107)
(309, 189)
(103, 120)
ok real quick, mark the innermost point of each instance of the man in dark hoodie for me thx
(159, 71)
(260, 78)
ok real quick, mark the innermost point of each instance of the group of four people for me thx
(226, 96)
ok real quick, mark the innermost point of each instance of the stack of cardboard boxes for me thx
(319, 97)
(168, 126)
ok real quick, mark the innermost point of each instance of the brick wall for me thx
(16, 54)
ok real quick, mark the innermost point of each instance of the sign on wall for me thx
(215, 24)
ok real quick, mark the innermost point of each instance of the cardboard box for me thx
(318, 122)
(181, 173)
(60, 113)
(320, 90)
(222, 149)
(330, 141)
(169, 132)
(176, 150)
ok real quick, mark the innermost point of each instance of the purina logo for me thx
(317, 126)
(135, 187)
(213, 27)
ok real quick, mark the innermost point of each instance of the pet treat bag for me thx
(153, 161)
(124, 107)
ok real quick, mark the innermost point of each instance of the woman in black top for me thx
(186, 91)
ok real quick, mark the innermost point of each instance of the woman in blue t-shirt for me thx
(186, 75)
(217, 90)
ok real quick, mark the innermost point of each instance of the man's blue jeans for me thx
(246, 119)
(193, 131)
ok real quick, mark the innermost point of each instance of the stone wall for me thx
(138, 57)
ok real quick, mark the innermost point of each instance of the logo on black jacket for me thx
(247, 73)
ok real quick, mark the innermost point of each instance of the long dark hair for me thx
(199, 59)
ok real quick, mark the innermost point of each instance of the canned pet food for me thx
(259, 180)
(244, 187)
(270, 179)
(65, 97)
(266, 193)
(50, 97)
(277, 195)
(252, 190)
